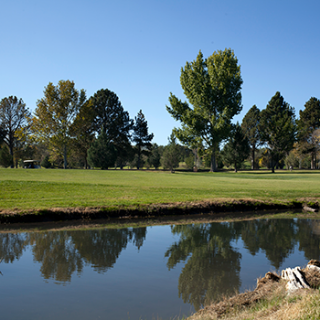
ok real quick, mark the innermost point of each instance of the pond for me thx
(157, 272)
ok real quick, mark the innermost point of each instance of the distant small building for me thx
(31, 164)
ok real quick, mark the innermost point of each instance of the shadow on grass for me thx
(316, 172)
(261, 172)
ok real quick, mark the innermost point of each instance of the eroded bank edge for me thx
(155, 211)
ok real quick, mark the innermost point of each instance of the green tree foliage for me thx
(13, 120)
(111, 117)
(171, 154)
(141, 137)
(46, 162)
(291, 160)
(277, 127)
(212, 86)
(82, 131)
(250, 126)
(6, 159)
(237, 148)
(299, 151)
(102, 152)
(189, 160)
(308, 123)
(155, 156)
(55, 114)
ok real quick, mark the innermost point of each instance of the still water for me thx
(157, 272)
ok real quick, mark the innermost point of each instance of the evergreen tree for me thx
(141, 137)
(250, 127)
(5, 157)
(308, 123)
(113, 120)
(171, 154)
(155, 156)
(236, 149)
(46, 162)
(102, 152)
(125, 155)
(277, 128)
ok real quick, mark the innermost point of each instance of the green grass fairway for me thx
(43, 189)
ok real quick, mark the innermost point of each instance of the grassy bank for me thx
(271, 299)
(304, 305)
(23, 189)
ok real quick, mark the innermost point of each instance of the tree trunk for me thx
(11, 149)
(253, 158)
(272, 164)
(138, 164)
(313, 161)
(213, 167)
(65, 157)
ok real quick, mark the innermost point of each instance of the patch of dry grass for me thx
(268, 301)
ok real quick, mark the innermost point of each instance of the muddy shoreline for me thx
(215, 209)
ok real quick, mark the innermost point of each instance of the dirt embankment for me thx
(151, 210)
(269, 300)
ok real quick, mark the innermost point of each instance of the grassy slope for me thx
(27, 189)
(300, 306)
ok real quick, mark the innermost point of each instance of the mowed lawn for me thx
(39, 189)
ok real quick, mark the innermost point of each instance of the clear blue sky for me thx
(137, 48)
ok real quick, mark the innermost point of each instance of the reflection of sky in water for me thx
(138, 281)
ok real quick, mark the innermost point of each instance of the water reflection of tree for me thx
(12, 246)
(213, 266)
(57, 254)
(63, 253)
(275, 237)
(308, 236)
(101, 248)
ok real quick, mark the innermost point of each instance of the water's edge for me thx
(237, 207)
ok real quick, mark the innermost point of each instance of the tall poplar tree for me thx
(212, 87)
(250, 127)
(277, 127)
(55, 114)
(141, 137)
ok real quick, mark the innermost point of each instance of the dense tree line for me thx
(213, 89)
(68, 129)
